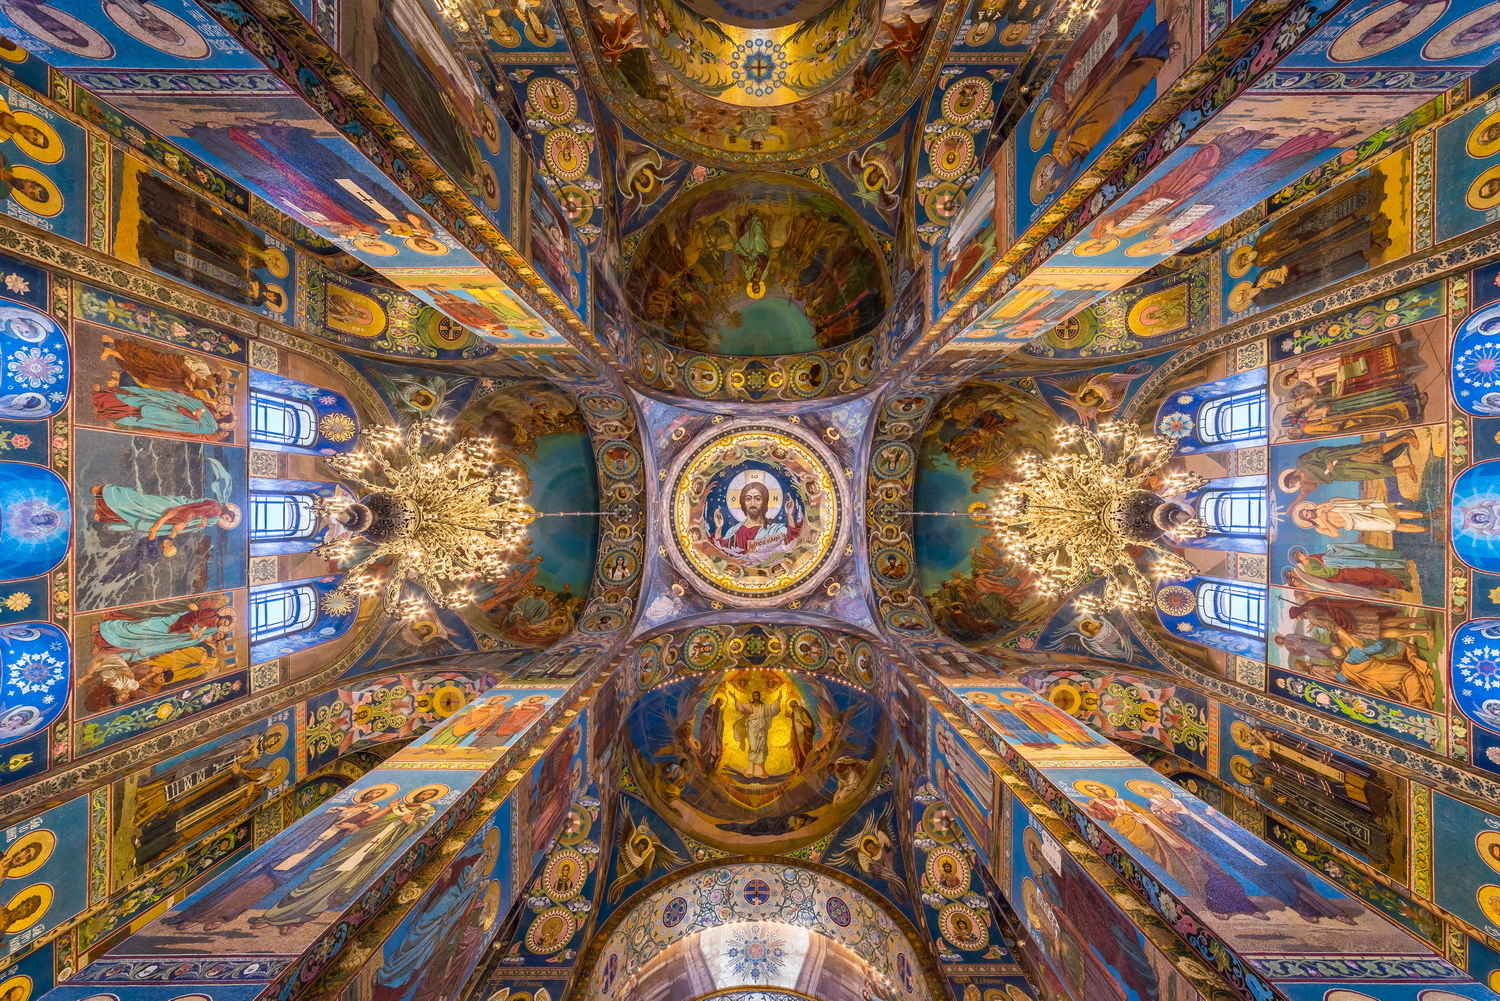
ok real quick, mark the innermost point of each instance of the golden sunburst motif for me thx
(338, 603)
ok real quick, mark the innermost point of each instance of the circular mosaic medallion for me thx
(907, 406)
(551, 931)
(703, 647)
(565, 154)
(863, 360)
(938, 824)
(757, 891)
(759, 66)
(652, 669)
(838, 912)
(551, 99)
(892, 565)
(1174, 599)
(645, 359)
(756, 512)
(966, 99)
(703, 375)
(620, 459)
(963, 928)
(674, 912)
(562, 879)
(809, 648)
(908, 620)
(893, 460)
(621, 566)
(952, 153)
(576, 830)
(809, 375)
(604, 405)
(862, 664)
(605, 620)
(948, 873)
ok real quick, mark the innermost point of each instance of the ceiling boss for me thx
(755, 513)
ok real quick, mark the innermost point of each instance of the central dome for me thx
(757, 263)
(766, 54)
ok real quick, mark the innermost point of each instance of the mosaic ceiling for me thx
(757, 299)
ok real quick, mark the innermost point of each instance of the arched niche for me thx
(756, 927)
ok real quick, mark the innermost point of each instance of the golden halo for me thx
(489, 184)
(50, 153)
(979, 33)
(34, 890)
(1347, 47)
(275, 738)
(1346, 995)
(48, 842)
(52, 206)
(1037, 190)
(1039, 125)
(279, 770)
(1480, 148)
(1488, 846)
(1488, 898)
(384, 788)
(1242, 770)
(371, 245)
(1441, 47)
(1242, 735)
(1093, 248)
(190, 44)
(1140, 787)
(1241, 261)
(1149, 248)
(489, 127)
(276, 262)
(1476, 199)
(491, 904)
(19, 980)
(94, 47)
(1083, 786)
(1240, 297)
(426, 245)
(274, 297)
(441, 790)
(1015, 34)
(11, 52)
(491, 848)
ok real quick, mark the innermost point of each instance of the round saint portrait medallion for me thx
(756, 513)
(963, 928)
(562, 879)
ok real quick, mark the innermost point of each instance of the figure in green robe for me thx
(333, 885)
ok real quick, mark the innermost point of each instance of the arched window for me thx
(1233, 606)
(1235, 511)
(281, 420)
(282, 611)
(1237, 417)
(282, 517)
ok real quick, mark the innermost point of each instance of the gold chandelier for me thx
(1083, 513)
(435, 512)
